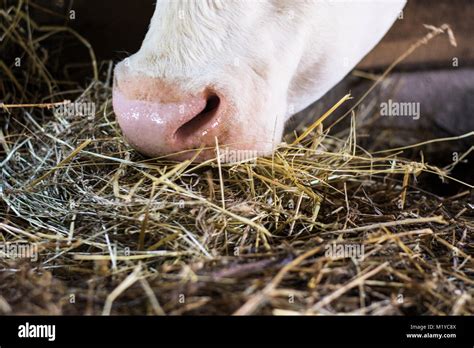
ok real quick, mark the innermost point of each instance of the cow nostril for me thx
(212, 104)
(201, 119)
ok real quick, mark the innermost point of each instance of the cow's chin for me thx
(234, 148)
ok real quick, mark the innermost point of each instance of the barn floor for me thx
(322, 227)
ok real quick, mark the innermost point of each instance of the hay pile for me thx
(118, 233)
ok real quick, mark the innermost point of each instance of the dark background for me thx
(116, 28)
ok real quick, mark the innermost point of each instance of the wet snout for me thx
(158, 117)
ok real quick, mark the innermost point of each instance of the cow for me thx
(230, 73)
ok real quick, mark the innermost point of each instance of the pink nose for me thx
(158, 119)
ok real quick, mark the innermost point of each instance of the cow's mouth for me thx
(200, 120)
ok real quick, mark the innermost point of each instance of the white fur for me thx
(271, 58)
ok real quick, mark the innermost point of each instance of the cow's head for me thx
(236, 70)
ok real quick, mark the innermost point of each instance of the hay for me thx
(118, 233)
